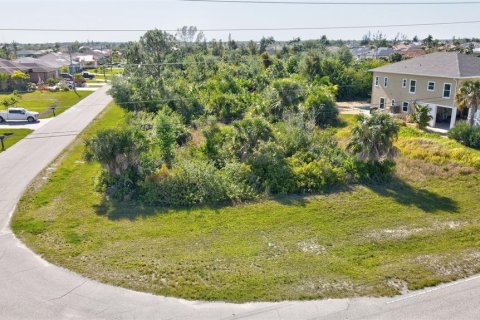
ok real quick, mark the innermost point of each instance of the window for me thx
(447, 90)
(382, 103)
(385, 82)
(376, 81)
(405, 106)
(404, 83)
(413, 86)
(431, 86)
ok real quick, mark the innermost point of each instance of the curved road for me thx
(31, 288)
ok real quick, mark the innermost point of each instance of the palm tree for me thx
(468, 96)
(373, 137)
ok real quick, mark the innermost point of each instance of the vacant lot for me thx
(421, 229)
(18, 134)
(41, 101)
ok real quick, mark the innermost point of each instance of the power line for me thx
(248, 29)
(330, 3)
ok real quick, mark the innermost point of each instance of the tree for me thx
(265, 43)
(19, 79)
(247, 134)
(117, 150)
(395, 57)
(345, 55)
(468, 96)
(422, 116)
(373, 137)
(320, 105)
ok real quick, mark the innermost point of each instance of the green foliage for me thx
(372, 138)
(3, 76)
(18, 75)
(52, 81)
(271, 169)
(468, 96)
(248, 134)
(422, 116)
(198, 182)
(466, 134)
(11, 100)
(116, 149)
(170, 131)
(78, 77)
(320, 105)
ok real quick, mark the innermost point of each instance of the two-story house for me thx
(432, 80)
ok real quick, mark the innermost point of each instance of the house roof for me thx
(439, 64)
(56, 59)
(38, 67)
(7, 66)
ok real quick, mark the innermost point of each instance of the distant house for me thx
(367, 53)
(87, 61)
(37, 71)
(8, 67)
(409, 50)
(432, 80)
(40, 72)
(59, 60)
(383, 52)
(31, 53)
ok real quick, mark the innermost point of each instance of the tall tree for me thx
(468, 96)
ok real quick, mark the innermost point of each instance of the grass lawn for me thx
(18, 134)
(41, 101)
(421, 229)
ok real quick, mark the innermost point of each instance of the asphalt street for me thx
(31, 288)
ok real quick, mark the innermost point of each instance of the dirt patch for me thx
(404, 232)
(465, 264)
(311, 246)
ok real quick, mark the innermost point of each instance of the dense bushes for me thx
(466, 134)
(229, 125)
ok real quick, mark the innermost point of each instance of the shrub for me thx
(270, 167)
(51, 81)
(466, 134)
(320, 105)
(422, 116)
(198, 182)
(316, 175)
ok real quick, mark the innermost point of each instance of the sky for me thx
(173, 14)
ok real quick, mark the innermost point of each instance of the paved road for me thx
(31, 288)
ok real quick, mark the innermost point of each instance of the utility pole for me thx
(71, 66)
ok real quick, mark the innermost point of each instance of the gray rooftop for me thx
(439, 64)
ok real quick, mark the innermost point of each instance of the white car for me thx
(18, 114)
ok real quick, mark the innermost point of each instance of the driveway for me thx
(31, 288)
(25, 124)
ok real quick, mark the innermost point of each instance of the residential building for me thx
(432, 80)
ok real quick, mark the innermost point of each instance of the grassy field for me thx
(18, 134)
(41, 101)
(421, 229)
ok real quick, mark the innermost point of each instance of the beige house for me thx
(430, 80)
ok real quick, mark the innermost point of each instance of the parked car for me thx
(88, 75)
(66, 76)
(18, 114)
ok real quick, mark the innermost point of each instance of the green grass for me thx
(18, 134)
(41, 101)
(421, 229)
